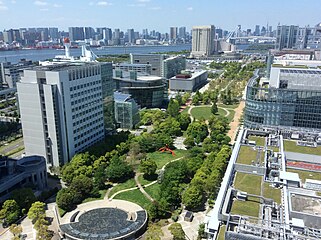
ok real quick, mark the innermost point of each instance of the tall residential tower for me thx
(203, 40)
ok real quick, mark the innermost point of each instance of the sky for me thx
(157, 15)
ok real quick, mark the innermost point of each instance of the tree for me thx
(214, 108)
(173, 108)
(10, 211)
(148, 166)
(154, 232)
(213, 182)
(184, 120)
(157, 209)
(67, 198)
(100, 178)
(41, 225)
(179, 99)
(177, 231)
(82, 185)
(201, 231)
(118, 170)
(24, 197)
(198, 131)
(192, 197)
(36, 210)
(16, 230)
(189, 142)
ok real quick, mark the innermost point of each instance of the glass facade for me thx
(282, 107)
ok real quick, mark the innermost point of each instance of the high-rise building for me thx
(182, 32)
(76, 33)
(53, 33)
(89, 32)
(172, 66)
(203, 40)
(61, 110)
(286, 36)
(156, 60)
(8, 36)
(131, 36)
(257, 30)
(173, 33)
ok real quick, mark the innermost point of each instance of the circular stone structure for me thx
(105, 223)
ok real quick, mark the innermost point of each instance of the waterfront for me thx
(43, 54)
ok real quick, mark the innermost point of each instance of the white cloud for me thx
(137, 5)
(44, 9)
(40, 3)
(104, 3)
(3, 8)
(57, 5)
(143, 1)
(190, 9)
(13, 1)
(91, 3)
(155, 8)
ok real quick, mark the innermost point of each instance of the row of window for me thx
(93, 129)
(86, 119)
(78, 108)
(86, 99)
(75, 116)
(85, 85)
(83, 72)
(87, 141)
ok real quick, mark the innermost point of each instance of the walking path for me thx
(236, 121)
(139, 186)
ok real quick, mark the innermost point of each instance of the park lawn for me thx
(230, 116)
(246, 155)
(14, 142)
(232, 106)
(61, 212)
(290, 146)
(221, 233)
(185, 110)
(144, 181)
(271, 192)
(153, 190)
(201, 112)
(248, 183)
(250, 207)
(306, 174)
(260, 141)
(134, 196)
(102, 195)
(161, 158)
(130, 183)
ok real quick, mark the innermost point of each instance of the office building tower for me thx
(289, 99)
(126, 111)
(182, 32)
(76, 33)
(8, 36)
(156, 60)
(219, 33)
(203, 40)
(89, 32)
(131, 36)
(61, 109)
(263, 31)
(286, 36)
(173, 33)
(172, 66)
(257, 30)
(53, 33)
(116, 37)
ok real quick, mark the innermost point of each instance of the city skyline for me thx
(155, 14)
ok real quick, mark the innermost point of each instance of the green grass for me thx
(306, 174)
(185, 110)
(246, 155)
(102, 195)
(153, 190)
(232, 106)
(134, 196)
(161, 158)
(271, 192)
(121, 186)
(275, 149)
(144, 181)
(221, 233)
(61, 212)
(260, 141)
(290, 146)
(251, 207)
(248, 183)
(14, 142)
(201, 112)
(222, 113)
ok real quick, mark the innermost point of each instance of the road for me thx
(12, 146)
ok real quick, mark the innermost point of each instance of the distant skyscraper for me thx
(203, 40)
(173, 33)
(53, 33)
(182, 32)
(8, 36)
(131, 36)
(61, 109)
(263, 31)
(286, 36)
(76, 33)
(89, 32)
(257, 30)
(219, 32)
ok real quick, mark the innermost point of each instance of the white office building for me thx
(61, 110)
(203, 41)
